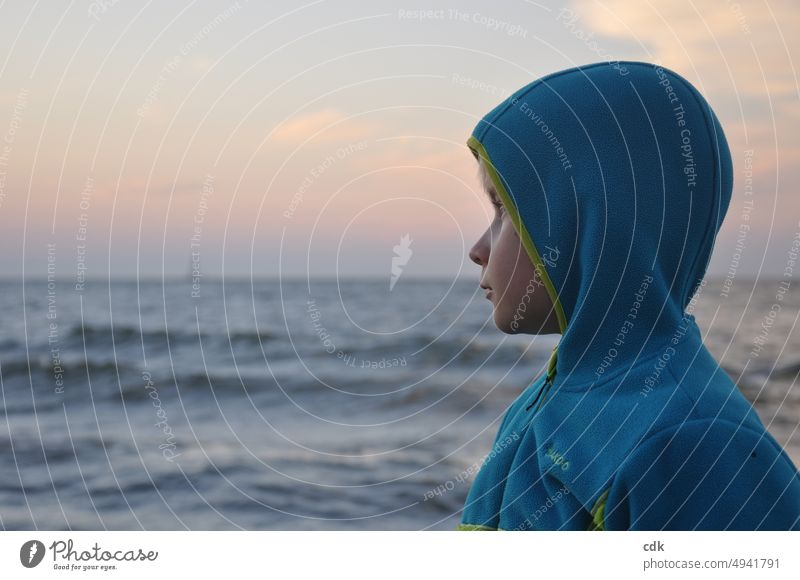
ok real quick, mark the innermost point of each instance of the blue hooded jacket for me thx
(617, 177)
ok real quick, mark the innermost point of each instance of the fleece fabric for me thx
(617, 177)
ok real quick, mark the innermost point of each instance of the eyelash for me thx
(498, 206)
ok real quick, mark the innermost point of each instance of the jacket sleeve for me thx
(705, 475)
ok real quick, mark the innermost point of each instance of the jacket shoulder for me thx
(705, 474)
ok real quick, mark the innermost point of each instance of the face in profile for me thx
(520, 300)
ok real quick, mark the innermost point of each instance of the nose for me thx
(480, 251)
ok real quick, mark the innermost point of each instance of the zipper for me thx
(548, 382)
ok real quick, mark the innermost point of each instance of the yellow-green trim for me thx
(527, 241)
(598, 513)
(551, 363)
(474, 528)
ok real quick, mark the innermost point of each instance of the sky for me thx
(307, 139)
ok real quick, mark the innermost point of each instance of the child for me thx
(610, 182)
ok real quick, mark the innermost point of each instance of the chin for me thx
(505, 324)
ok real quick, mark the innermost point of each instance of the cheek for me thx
(515, 277)
(510, 265)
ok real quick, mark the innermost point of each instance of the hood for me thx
(617, 177)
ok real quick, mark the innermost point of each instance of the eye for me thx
(498, 206)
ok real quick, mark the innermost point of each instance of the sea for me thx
(323, 404)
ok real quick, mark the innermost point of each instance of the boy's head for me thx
(512, 283)
(610, 182)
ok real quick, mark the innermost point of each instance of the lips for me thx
(487, 288)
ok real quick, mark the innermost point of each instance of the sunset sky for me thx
(309, 138)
